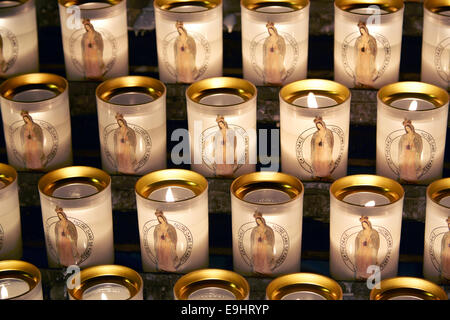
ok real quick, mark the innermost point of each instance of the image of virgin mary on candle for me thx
(274, 51)
(185, 51)
(367, 244)
(366, 53)
(410, 151)
(224, 152)
(124, 146)
(32, 139)
(66, 240)
(262, 246)
(165, 237)
(322, 143)
(445, 255)
(92, 52)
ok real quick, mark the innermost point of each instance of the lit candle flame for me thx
(3, 293)
(413, 106)
(312, 102)
(370, 203)
(169, 195)
(103, 296)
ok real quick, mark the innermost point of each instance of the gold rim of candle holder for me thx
(22, 270)
(415, 90)
(45, 81)
(387, 187)
(331, 89)
(286, 183)
(58, 178)
(171, 178)
(7, 175)
(437, 6)
(407, 286)
(146, 85)
(302, 281)
(14, 9)
(117, 274)
(438, 190)
(254, 5)
(168, 5)
(69, 3)
(204, 278)
(228, 85)
(391, 6)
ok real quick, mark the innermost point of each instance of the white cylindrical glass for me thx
(274, 41)
(108, 282)
(436, 253)
(10, 223)
(411, 132)
(222, 126)
(131, 114)
(19, 50)
(20, 280)
(172, 207)
(303, 286)
(77, 217)
(365, 227)
(95, 38)
(367, 42)
(407, 288)
(36, 121)
(267, 214)
(211, 284)
(436, 43)
(314, 125)
(189, 40)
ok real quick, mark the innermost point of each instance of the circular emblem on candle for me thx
(274, 55)
(361, 57)
(9, 50)
(365, 245)
(121, 141)
(410, 152)
(319, 149)
(441, 59)
(439, 250)
(70, 240)
(225, 147)
(37, 140)
(167, 243)
(93, 50)
(263, 245)
(186, 54)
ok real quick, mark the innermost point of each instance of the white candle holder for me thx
(132, 124)
(367, 42)
(77, 217)
(436, 43)
(365, 227)
(222, 126)
(36, 121)
(274, 40)
(108, 282)
(436, 263)
(407, 288)
(10, 224)
(20, 280)
(95, 38)
(19, 52)
(189, 39)
(411, 132)
(267, 213)
(172, 207)
(211, 284)
(314, 125)
(303, 286)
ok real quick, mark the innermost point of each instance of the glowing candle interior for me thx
(12, 287)
(34, 95)
(314, 101)
(266, 196)
(221, 99)
(188, 9)
(367, 199)
(131, 98)
(107, 291)
(303, 295)
(445, 201)
(274, 9)
(75, 191)
(212, 293)
(171, 194)
(413, 104)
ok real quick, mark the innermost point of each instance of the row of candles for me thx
(267, 213)
(367, 48)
